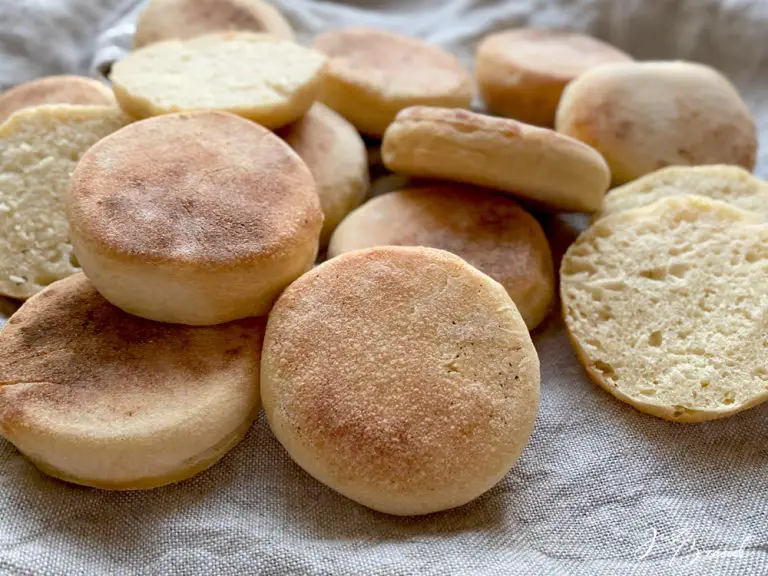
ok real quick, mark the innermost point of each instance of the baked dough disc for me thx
(166, 19)
(98, 397)
(39, 149)
(667, 307)
(76, 90)
(403, 378)
(487, 229)
(257, 76)
(373, 74)
(731, 184)
(522, 160)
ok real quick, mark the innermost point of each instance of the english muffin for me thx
(642, 116)
(97, 397)
(487, 229)
(403, 378)
(731, 184)
(55, 90)
(533, 163)
(667, 307)
(373, 74)
(39, 148)
(521, 73)
(193, 218)
(337, 158)
(167, 19)
(257, 76)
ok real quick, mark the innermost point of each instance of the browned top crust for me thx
(55, 90)
(68, 350)
(398, 65)
(203, 189)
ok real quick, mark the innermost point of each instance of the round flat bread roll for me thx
(403, 378)
(167, 19)
(642, 116)
(373, 74)
(55, 90)
(257, 76)
(522, 73)
(337, 158)
(537, 164)
(39, 148)
(97, 397)
(667, 307)
(197, 218)
(731, 184)
(488, 230)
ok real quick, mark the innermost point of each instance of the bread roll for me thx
(521, 73)
(39, 148)
(337, 158)
(197, 218)
(403, 378)
(95, 396)
(667, 307)
(642, 116)
(55, 90)
(536, 164)
(257, 76)
(373, 74)
(167, 19)
(487, 229)
(731, 184)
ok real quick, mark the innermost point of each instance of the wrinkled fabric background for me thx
(601, 488)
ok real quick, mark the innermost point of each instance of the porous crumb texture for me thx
(731, 184)
(667, 307)
(258, 76)
(416, 387)
(39, 148)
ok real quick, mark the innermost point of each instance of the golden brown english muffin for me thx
(337, 158)
(521, 73)
(257, 76)
(642, 116)
(403, 378)
(95, 396)
(537, 164)
(167, 19)
(373, 74)
(76, 90)
(196, 218)
(487, 229)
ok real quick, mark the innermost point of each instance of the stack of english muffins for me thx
(196, 242)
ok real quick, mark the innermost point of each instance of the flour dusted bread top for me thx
(39, 149)
(166, 19)
(667, 307)
(76, 90)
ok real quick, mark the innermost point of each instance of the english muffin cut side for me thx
(667, 307)
(373, 74)
(487, 229)
(522, 160)
(337, 158)
(197, 218)
(76, 90)
(731, 184)
(98, 397)
(257, 76)
(521, 73)
(167, 19)
(416, 388)
(642, 116)
(39, 148)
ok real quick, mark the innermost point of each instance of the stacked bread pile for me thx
(400, 371)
